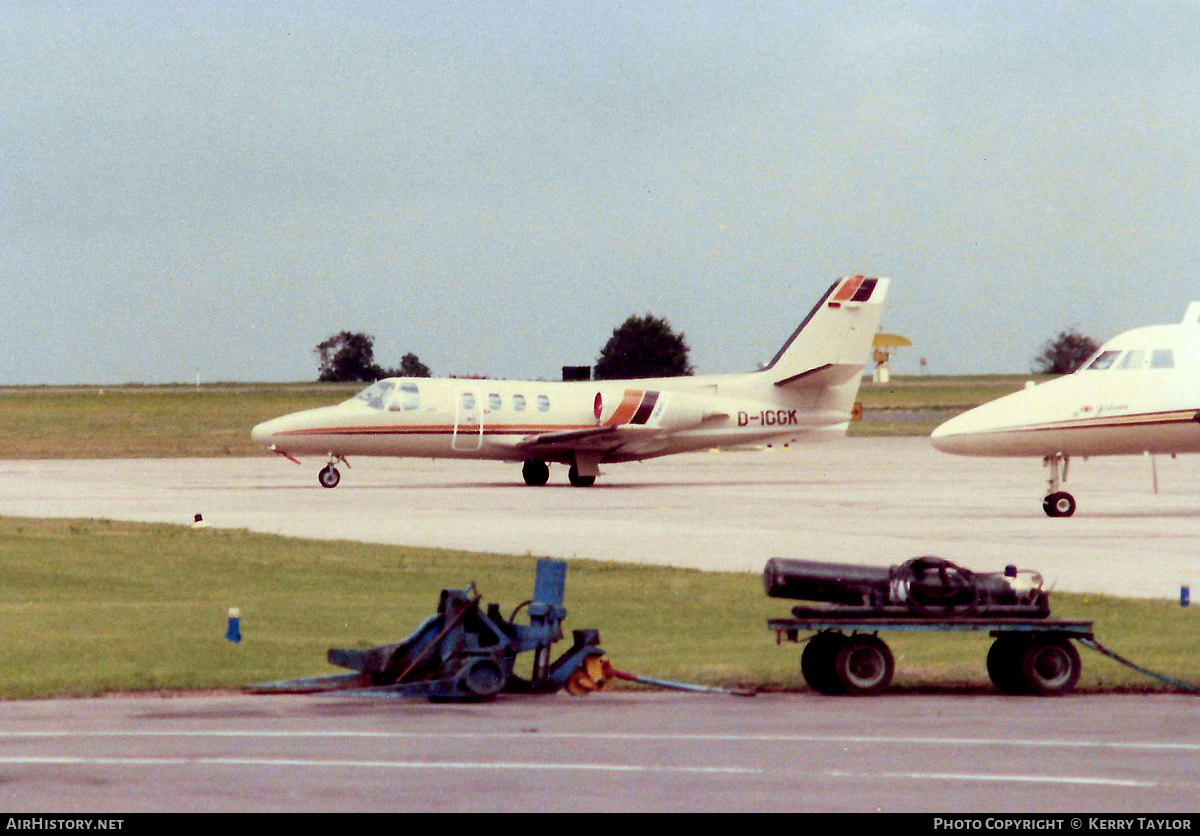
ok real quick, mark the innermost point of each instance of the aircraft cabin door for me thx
(468, 421)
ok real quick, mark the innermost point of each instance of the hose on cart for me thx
(1099, 648)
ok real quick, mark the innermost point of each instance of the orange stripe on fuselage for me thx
(626, 408)
(849, 287)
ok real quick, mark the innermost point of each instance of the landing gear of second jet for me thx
(1058, 503)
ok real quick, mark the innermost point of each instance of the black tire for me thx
(817, 663)
(864, 666)
(535, 472)
(1060, 504)
(1050, 667)
(329, 476)
(1004, 660)
(579, 481)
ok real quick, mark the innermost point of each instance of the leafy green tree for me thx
(1065, 353)
(643, 346)
(411, 366)
(346, 356)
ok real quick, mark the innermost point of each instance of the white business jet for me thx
(806, 392)
(1139, 394)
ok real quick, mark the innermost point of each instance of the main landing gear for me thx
(329, 477)
(1058, 503)
(536, 472)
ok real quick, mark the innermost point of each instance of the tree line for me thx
(642, 346)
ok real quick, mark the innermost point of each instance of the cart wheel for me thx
(1004, 660)
(864, 666)
(1050, 667)
(817, 662)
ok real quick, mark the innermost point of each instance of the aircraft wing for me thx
(591, 438)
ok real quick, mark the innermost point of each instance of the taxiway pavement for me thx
(603, 753)
(876, 501)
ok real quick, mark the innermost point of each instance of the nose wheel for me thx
(1058, 503)
(329, 476)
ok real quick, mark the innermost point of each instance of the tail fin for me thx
(833, 342)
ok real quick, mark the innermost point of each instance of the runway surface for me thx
(876, 500)
(606, 752)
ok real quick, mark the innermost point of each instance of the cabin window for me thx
(1132, 360)
(377, 394)
(494, 402)
(1103, 360)
(1162, 358)
(468, 400)
(409, 397)
(518, 402)
(543, 403)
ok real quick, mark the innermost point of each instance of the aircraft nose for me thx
(940, 435)
(264, 433)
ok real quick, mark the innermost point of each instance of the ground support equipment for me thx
(1032, 653)
(465, 652)
(846, 655)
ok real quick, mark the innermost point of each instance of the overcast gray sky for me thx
(213, 188)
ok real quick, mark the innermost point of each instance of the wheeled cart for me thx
(846, 656)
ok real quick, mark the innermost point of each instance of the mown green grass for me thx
(44, 422)
(93, 606)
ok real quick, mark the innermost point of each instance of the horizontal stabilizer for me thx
(830, 374)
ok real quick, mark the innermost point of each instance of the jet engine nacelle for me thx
(671, 411)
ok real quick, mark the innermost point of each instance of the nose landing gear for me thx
(1058, 503)
(329, 477)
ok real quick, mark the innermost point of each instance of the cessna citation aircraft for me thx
(1140, 393)
(807, 391)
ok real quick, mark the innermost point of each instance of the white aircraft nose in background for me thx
(1140, 393)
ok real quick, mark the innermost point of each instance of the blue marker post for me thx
(1185, 596)
(233, 631)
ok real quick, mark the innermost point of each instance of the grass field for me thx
(44, 422)
(92, 606)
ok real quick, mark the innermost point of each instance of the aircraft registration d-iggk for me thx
(806, 392)
(1140, 393)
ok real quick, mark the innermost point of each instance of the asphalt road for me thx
(603, 753)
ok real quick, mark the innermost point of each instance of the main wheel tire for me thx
(864, 666)
(535, 472)
(1060, 504)
(1050, 667)
(329, 476)
(579, 481)
(817, 663)
(1004, 660)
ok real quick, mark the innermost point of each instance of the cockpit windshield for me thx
(377, 394)
(1103, 361)
(1133, 360)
